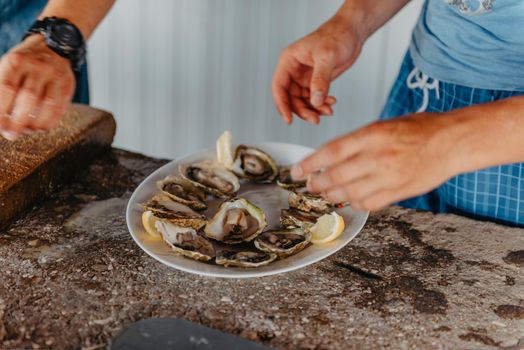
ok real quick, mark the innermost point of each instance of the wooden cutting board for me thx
(35, 165)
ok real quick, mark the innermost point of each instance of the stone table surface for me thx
(72, 277)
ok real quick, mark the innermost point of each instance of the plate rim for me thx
(231, 274)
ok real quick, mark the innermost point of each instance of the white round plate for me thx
(269, 198)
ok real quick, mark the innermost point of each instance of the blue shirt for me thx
(16, 16)
(474, 43)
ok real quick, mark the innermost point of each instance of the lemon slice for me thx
(328, 227)
(224, 149)
(149, 221)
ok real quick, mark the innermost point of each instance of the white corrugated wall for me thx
(176, 73)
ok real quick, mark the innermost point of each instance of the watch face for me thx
(67, 34)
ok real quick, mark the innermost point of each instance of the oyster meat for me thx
(285, 180)
(244, 258)
(183, 191)
(186, 241)
(293, 217)
(283, 242)
(164, 208)
(254, 164)
(211, 177)
(236, 221)
(309, 202)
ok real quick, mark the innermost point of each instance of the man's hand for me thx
(384, 162)
(306, 69)
(36, 86)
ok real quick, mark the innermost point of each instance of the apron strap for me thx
(418, 80)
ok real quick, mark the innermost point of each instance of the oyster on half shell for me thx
(309, 202)
(244, 258)
(254, 164)
(293, 217)
(183, 191)
(236, 221)
(211, 177)
(285, 180)
(164, 208)
(284, 242)
(186, 241)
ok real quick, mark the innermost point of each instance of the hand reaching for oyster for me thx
(237, 233)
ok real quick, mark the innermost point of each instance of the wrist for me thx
(352, 16)
(62, 37)
(37, 42)
(444, 144)
(458, 141)
(83, 27)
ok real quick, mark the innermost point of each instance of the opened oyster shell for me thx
(211, 177)
(308, 202)
(164, 208)
(244, 258)
(236, 221)
(186, 241)
(285, 180)
(293, 217)
(254, 164)
(183, 191)
(283, 242)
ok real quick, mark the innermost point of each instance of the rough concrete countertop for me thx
(72, 277)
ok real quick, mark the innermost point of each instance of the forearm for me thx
(367, 16)
(85, 14)
(485, 135)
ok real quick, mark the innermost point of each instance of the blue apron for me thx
(496, 193)
(16, 16)
(463, 53)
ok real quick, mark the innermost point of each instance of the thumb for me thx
(320, 80)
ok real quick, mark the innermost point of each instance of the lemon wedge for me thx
(327, 228)
(149, 221)
(224, 149)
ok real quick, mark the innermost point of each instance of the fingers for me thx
(325, 110)
(357, 190)
(292, 82)
(26, 104)
(8, 90)
(361, 184)
(5, 132)
(280, 87)
(321, 78)
(330, 154)
(331, 100)
(299, 105)
(370, 192)
(10, 80)
(350, 170)
(300, 108)
(53, 107)
(378, 200)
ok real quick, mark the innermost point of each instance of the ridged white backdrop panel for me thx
(176, 73)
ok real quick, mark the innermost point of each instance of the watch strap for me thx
(75, 54)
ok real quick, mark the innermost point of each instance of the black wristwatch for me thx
(63, 37)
